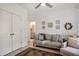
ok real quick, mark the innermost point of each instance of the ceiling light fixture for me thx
(43, 4)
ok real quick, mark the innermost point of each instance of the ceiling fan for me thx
(44, 4)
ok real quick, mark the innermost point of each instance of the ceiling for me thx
(30, 7)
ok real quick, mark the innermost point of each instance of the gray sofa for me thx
(70, 49)
(49, 40)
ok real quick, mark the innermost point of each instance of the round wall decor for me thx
(68, 26)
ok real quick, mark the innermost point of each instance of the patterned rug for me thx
(36, 52)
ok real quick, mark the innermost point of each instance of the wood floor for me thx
(14, 53)
(48, 50)
(36, 52)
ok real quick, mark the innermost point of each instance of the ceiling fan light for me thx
(43, 4)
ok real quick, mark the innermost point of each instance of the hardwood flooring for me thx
(36, 52)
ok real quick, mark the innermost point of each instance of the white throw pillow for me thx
(41, 37)
(73, 42)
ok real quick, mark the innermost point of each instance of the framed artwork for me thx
(57, 26)
(43, 22)
(50, 24)
(57, 21)
(43, 27)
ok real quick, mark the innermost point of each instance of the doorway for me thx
(32, 29)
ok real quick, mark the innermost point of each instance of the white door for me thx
(16, 32)
(5, 29)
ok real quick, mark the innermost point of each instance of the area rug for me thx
(36, 52)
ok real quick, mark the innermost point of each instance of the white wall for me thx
(64, 15)
(22, 13)
(78, 19)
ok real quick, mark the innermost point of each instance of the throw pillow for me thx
(73, 42)
(48, 37)
(41, 37)
(55, 38)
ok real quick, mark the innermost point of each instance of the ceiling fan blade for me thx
(47, 4)
(37, 5)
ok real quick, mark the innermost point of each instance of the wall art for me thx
(50, 24)
(57, 21)
(57, 26)
(43, 22)
(43, 27)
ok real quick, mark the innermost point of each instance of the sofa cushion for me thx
(60, 39)
(56, 44)
(69, 51)
(52, 44)
(55, 38)
(73, 42)
(41, 43)
(45, 41)
(48, 37)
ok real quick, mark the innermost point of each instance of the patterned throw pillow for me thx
(73, 42)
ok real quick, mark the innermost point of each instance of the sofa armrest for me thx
(64, 44)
